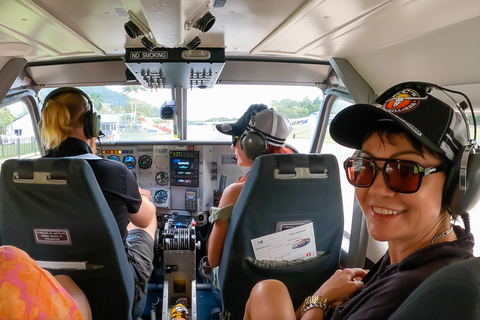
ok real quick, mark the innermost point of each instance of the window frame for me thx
(30, 100)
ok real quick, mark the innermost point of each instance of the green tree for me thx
(117, 109)
(135, 109)
(134, 91)
(5, 119)
(96, 98)
(127, 118)
(145, 109)
(293, 109)
(313, 106)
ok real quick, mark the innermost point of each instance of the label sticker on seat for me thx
(52, 236)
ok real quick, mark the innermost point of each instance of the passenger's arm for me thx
(216, 241)
(220, 227)
(341, 286)
(146, 212)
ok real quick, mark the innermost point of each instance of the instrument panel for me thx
(181, 177)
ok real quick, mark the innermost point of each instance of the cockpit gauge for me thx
(161, 178)
(129, 162)
(114, 158)
(161, 196)
(145, 161)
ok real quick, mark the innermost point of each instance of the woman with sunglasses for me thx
(274, 129)
(402, 172)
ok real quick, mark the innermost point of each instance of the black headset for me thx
(462, 184)
(253, 143)
(92, 123)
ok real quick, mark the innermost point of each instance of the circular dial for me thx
(114, 158)
(161, 178)
(160, 196)
(129, 162)
(145, 162)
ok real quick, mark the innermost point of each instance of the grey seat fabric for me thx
(54, 210)
(452, 292)
(282, 188)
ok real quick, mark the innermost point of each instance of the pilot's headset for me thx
(265, 127)
(92, 123)
(462, 183)
(253, 142)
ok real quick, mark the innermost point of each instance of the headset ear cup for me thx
(463, 201)
(452, 178)
(254, 144)
(88, 124)
(92, 124)
(96, 124)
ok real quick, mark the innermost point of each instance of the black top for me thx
(117, 183)
(387, 286)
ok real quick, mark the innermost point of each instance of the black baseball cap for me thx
(431, 121)
(237, 128)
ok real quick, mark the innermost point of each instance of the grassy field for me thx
(14, 151)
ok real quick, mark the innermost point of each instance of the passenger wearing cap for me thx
(404, 172)
(259, 131)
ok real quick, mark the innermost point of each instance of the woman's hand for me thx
(342, 285)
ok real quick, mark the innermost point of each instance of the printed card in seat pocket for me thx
(291, 244)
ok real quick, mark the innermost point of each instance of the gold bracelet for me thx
(316, 302)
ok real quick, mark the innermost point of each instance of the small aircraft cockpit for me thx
(161, 77)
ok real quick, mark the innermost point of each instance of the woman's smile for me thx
(382, 213)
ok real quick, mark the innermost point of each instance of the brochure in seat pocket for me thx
(291, 244)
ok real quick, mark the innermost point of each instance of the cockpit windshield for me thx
(133, 113)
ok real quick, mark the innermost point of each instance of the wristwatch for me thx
(316, 302)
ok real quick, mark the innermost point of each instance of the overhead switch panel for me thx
(167, 68)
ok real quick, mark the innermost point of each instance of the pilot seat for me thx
(54, 210)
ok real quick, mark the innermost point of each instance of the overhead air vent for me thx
(167, 68)
(169, 23)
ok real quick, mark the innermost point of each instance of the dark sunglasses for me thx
(234, 140)
(401, 176)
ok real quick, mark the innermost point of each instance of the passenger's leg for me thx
(269, 299)
(77, 294)
(140, 255)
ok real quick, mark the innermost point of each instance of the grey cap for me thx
(275, 127)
